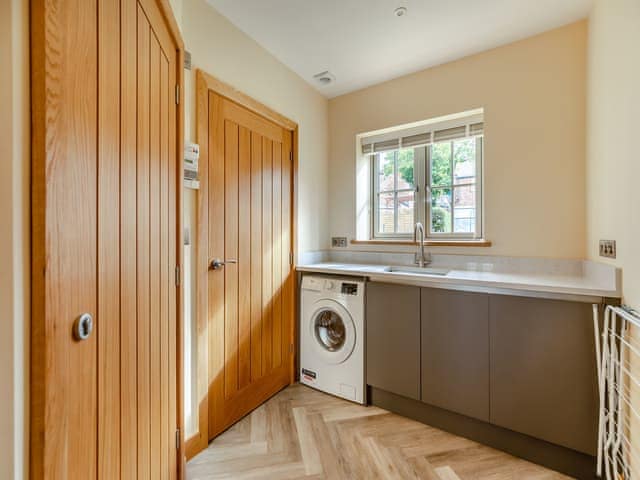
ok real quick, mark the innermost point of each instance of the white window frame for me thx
(477, 234)
(376, 192)
(422, 195)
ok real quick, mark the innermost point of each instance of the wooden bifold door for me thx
(106, 242)
(245, 252)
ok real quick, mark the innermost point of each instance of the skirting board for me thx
(561, 459)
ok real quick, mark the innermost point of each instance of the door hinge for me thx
(177, 275)
(178, 439)
(291, 156)
(177, 94)
(290, 258)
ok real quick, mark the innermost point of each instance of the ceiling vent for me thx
(324, 78)
(400, 12)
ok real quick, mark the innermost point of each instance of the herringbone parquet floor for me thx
(302, 433)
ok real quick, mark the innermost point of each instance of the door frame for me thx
(44, 429)
(205, 83)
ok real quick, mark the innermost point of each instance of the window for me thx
(452, 191)
(395, 192)
(430, 174)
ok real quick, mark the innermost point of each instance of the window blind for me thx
(423, 135)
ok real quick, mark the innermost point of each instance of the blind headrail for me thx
(420, 135)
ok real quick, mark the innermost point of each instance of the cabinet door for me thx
(393, 338)
(455, 351)
(543, 372)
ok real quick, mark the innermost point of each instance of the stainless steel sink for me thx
(418, 270)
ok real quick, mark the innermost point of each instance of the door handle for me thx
(83, 326)
(217, 264)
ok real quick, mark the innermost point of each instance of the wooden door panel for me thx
(215, 246)
(174, 241)
(109, 278)
(230, 271)
(250, 231)
(174, 244)
(64, 223)
(166, 330)
(286, 258)
(256, 256)
(276, 247)
(128, 236)
(267, 261)
(105, 169)
(244, 257)
(143, 247)
(156, 252)
(253, 122)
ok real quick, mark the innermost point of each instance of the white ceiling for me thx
(363, 43)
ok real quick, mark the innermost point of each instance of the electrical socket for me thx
(608, 248)
(339, 242)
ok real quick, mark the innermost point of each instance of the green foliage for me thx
(441, 163)
(440, 220)
(405, 165)
(442, 158)
(464, 150)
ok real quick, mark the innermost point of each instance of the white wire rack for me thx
(618, 362)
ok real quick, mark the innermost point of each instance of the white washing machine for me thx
(332, 336)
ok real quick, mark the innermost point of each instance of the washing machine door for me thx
(332, 332)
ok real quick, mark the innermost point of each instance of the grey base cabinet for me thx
(393, 338)
(455, 351)
(543, 370)
(523, 364)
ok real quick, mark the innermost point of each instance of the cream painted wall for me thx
(533, 93)
(613, 161)
(14, 238)
(176, 6)
(225, 52)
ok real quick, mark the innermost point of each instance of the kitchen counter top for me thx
(595, 281)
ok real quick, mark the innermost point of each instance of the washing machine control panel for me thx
(345, 288)
(349, 288)
(340, 286)
(329, 285)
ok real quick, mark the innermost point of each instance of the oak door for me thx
(106, 172)
(149, 402)
(250, 284)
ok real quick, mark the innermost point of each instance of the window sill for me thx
(427, 243)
